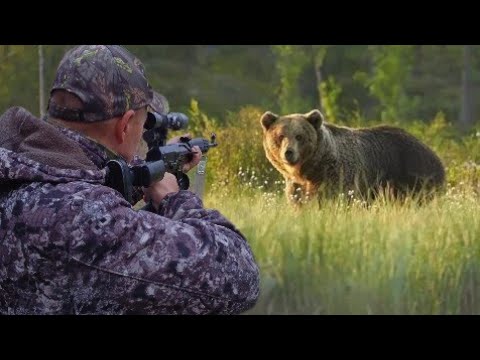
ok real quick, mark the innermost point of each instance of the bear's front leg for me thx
(294, 192)
(310, 192)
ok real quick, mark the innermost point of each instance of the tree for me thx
(466, 112)
(392, 65)
(41, 79)
(300, 76)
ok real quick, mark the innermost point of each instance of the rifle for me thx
(160, 158)
(174, 155)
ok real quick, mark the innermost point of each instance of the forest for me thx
(341, 258)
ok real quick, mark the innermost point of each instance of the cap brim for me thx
(160, 104)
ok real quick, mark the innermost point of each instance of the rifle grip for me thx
(182, 180)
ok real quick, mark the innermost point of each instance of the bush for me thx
(239, 160)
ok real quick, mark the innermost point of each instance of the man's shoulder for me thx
(69, 195)
(84, 191)
(16, 111)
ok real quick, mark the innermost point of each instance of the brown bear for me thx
(317, 158)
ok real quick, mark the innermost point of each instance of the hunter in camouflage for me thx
(71, 245)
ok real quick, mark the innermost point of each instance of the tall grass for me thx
(343, 257)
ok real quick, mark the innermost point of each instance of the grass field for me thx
(390, 258)
(345, 258)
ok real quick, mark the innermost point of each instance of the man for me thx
(71, 245)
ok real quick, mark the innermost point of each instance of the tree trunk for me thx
(318, 73)
(466, 112)
(317, 61)
(41, 80)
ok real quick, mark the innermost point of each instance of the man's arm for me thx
(187, 260)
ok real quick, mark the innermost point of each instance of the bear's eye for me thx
(299, 137)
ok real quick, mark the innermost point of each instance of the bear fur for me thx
(317, 158)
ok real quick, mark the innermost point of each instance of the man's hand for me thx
(197, 156)
(157, 191)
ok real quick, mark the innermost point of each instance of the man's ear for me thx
(268, 119)
(121, 127)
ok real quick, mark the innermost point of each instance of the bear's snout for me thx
(290, 156)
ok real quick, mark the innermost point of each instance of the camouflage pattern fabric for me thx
(70, 245)
(108, 79)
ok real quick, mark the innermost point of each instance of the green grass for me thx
(390, 258)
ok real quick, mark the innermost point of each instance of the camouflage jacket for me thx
(70, 245)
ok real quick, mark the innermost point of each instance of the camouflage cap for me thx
(108, 79)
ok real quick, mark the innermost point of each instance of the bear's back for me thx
(406, 160)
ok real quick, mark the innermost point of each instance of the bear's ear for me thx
(268, 119)
(315, 118)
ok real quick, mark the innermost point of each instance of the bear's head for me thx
(290, 140)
